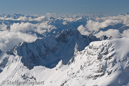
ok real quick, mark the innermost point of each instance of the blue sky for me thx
(39, 7)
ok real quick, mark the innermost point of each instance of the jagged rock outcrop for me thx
(50, 50)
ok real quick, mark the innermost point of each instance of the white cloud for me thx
(125, 33)
(23, 27)
(64, 23)
(26, 27)
(123, 18)
(96, 25)
(44, 27)
(82, 30)
(22, 18)
(93, 26)
(3, 27)
(72, 19)
(9, 39)
(126, 20)
(25, 18)
(110, 32)
(41, 18)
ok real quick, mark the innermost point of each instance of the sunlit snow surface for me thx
(60, 50)
(102, 63)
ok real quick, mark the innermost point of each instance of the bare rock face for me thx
(50, 50)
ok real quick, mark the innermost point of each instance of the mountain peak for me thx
(50, 50)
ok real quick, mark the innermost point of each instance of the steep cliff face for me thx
(101, 63)
(50, 50)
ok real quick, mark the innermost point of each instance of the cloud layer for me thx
(115, 26)
(9, 39)
(18, 28)
(95, 25)
(23, 27)
(110, 32)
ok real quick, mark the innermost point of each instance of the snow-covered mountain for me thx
(66, 60)
(51, 50)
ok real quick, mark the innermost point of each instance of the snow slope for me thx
(101, 63)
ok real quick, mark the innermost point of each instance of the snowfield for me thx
(101, 63)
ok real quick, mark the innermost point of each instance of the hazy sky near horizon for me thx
(39, 7)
